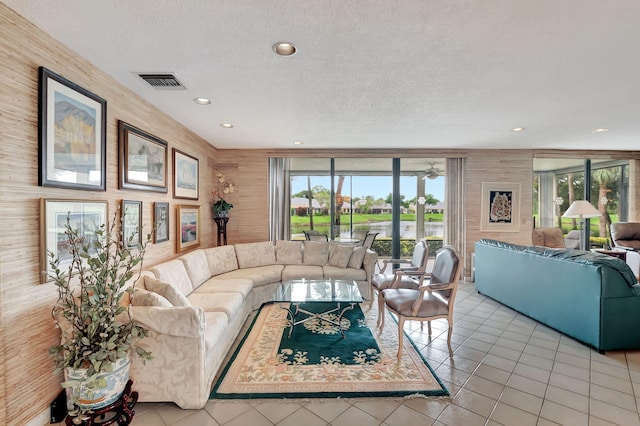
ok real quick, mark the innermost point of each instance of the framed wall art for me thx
(72, 129)
(500, 207)
(84, 216)
(142, 159)
(185, 176)
(131, 223)
(160, 222)
(188, 235)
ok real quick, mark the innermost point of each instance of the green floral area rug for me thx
(316, 362)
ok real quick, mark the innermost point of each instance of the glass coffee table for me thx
(345, 294)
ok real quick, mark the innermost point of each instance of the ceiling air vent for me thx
(162, 81)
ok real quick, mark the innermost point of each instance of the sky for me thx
(377, 186)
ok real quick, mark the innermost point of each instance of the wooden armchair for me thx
(408, 276)
(434, 298)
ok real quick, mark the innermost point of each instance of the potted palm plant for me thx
(97, 330)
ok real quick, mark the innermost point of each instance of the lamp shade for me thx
(581, 209)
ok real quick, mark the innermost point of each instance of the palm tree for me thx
(603, 177)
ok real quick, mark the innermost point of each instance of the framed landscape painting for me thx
(188, 235)
(185, 176)
(72, 135)
(84, 216)
(142, 159)
(500, 208)
(160, 222)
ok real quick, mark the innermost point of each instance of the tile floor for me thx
(507, 369)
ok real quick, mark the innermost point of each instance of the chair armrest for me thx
(397, 279)
(386, 262)
(428, 287)
(181, 321)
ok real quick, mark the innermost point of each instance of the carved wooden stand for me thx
(119, 413)
(222, 229)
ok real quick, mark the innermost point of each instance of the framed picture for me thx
(160, 222)
(84, 216)
(131, 223)
(188, 228)
(500, 207)
(185, 176)
(72, 135)
(142, 159)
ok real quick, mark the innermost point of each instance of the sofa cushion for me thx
(142, 297)
(357, 257)
(229, 303)
(175, 273)
(197, 267)
(227, 285)
(340, 256)
(221, 259)
(296, 272)
(315, 253)
(169, 292)
(289, 252)
(250, 255)
(344, 273)
(259, 276)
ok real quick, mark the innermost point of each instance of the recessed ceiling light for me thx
(284, 48)
(202, 101)
(517, 129)
(226, 125)
(298, 143)
(600, 131)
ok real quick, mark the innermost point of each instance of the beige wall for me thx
(27, 383)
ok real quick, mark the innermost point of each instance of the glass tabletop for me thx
(318, 291)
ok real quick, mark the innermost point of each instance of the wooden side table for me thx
(222, 229)
(622, 255)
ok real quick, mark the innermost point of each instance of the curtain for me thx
(454, 205)
(279, 199)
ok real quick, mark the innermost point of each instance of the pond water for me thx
(407, 230)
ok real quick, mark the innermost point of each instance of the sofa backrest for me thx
(174, 272)
(626, 234)
(251, 255)
(197, 267)
(221, 259)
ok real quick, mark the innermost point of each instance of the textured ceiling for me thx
(373, 73)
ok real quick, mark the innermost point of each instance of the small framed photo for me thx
(84, 216)
(142, 159)
(188, 228)
(160, 222)
(131, 223)
(185, 176)
(72, 133)
(500, 207)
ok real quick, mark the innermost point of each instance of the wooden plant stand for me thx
(118, 413)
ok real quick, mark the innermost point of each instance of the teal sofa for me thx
(591, 297)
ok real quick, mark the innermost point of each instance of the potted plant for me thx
(97, 329)
(221, 206)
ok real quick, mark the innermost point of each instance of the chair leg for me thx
(381, 313)
(373, 293)
(400, 336)
(449, 340)
(429, 327)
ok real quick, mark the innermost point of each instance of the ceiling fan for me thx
(432, 173)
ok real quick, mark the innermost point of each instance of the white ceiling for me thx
(373, 73)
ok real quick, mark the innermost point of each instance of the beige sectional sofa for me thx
(195, 306)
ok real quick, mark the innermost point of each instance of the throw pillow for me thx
(340, 257)
(169, 292)
(142, 297)
(315, 253)
(357, 257)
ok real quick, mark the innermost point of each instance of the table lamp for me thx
(581, 210)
